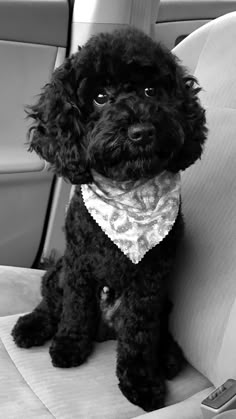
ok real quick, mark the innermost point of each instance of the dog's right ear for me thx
(57, 132)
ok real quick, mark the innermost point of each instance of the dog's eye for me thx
(150, 91)
(101, 98)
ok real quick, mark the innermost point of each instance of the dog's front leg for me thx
(73, 341)
(140, 375)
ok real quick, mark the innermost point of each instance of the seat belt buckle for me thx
(221, 399)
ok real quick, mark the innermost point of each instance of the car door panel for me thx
(33, 41)
(24, 69)
(168, 33)
(180, 10)
(43, 22)
(24, 201)
(178, 18)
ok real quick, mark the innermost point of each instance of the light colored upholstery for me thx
(204, 287)
(87, 392)
(189, 408)
(19, 289)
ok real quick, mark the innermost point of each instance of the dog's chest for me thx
(111, 270)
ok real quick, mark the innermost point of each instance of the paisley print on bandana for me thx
(136, 216)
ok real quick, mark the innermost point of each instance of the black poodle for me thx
(120, 119)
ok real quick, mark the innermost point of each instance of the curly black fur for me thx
(144, 88)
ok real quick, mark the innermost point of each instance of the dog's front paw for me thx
(147, 393)
(33, 329)
(68, 352)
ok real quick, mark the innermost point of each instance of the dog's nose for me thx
(141, 132)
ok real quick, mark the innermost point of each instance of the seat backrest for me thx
(204, 287)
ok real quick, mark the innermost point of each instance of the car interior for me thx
(35, 38)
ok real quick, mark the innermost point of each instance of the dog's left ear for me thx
(57, 132)
(192, 118)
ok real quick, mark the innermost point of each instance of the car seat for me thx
(203, 287)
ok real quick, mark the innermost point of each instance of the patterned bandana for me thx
(136, 216)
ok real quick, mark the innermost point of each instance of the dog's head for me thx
(122, 106)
